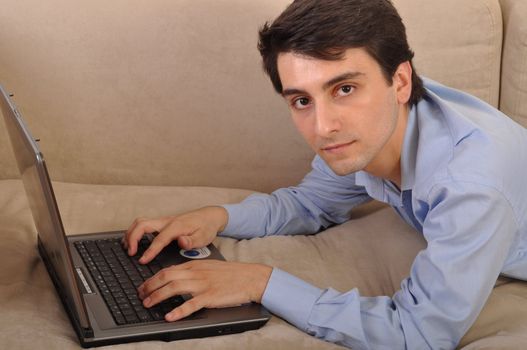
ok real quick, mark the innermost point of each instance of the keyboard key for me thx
(120, 320)
(144, 316)
(121, 301)
(131, 319)
(128, 312)
(157, 315)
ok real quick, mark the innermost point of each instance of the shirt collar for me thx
(372, 184)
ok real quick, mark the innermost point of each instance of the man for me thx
(447, 162)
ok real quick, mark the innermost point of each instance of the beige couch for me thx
(148, 108)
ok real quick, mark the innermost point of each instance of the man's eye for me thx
(301, 103)
(344, 90)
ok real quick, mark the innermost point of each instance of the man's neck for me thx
(387, 164)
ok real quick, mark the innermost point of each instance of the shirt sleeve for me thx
(322, 199)
(469, 230)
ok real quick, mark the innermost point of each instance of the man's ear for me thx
(402, 79)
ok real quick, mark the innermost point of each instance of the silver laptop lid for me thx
(43, 205)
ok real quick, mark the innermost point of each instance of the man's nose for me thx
(327, 120)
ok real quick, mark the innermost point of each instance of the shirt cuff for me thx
(290, 298)
(234, 222)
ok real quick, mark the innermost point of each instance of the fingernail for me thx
(170, 316)
(147, 302)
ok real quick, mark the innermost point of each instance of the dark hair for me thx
(325, 29)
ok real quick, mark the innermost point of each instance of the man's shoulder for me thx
(461, 138)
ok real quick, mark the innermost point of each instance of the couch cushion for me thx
(361, 254)
(513, 100)
(502, 323)
(457, 43)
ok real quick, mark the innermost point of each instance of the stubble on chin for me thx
(343, 167)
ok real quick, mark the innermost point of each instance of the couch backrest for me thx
(170, 92)
(513, 100)
(457, 43)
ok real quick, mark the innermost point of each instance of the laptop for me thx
(95, 278)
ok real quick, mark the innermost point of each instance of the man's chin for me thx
(343, 172)
(342, 168)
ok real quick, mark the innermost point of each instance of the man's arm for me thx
(469, 230)
(322, 199)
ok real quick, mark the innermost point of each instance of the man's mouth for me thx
(337, 147)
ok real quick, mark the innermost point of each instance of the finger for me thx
(158, 243)
(184, 242)
(129, 230)
(141, 227)
(187, 308)
(133, 225)
(126, 238)
(173, 288)
(189, 265)
(163, 278)
(197, 239)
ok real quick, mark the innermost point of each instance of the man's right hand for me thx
(194, 229)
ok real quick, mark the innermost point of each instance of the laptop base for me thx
(88, 338)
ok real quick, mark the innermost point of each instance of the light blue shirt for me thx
(464, 167)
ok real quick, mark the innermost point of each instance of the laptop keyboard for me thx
(118, 275)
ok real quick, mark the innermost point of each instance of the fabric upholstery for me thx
(459, 46)
(166, 94)
(360, 254)
(513, 101)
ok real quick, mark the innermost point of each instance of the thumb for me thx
(184, 242)
(198, 239)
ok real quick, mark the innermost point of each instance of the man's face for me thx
(345, 109)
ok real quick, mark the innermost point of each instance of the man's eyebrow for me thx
(289, 92)
(327, 85)
(342, 77)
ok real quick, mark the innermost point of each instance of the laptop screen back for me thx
(42, 203)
